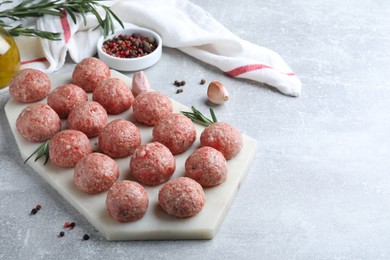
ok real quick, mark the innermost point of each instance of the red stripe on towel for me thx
(65, 25)
(251, 67)
(43, 59)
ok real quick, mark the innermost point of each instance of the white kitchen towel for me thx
(181, 24)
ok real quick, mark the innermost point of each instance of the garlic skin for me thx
(217, 93)
(140, 83)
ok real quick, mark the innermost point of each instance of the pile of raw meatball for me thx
(150, 163)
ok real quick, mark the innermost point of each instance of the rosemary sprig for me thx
(19, 30)
(38, 8)
(198, 117)
(42, 150)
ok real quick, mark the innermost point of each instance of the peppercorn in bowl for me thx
(130, 49)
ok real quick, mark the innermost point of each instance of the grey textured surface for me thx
(319, 186)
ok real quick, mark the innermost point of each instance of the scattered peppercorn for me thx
(180, 90)
(129, 46)
(86, 237)
(202, 82)
(62, 233)
(177, 83)
(67, 224)
(35, 210)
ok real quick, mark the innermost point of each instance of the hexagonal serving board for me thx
(156, 224)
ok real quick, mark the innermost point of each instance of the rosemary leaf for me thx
(213, 115)
(42, 150)
(71, 14)
(38, 8)
(100, 21)
(194, 118)
(197, 116)
(19, 30)
(106, 26)
(5, 2)
(116, 17)
(83, 16)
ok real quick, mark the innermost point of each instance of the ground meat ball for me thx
(182, 197)
(114, 95)
(88, 117)
(177, 132)
(152, 164)
(150, 107)
(223, 137)
(127, 201)
(95, 173)
(29, 85)
(119, 138)
(67, 147)
(66, 97)
(207, 166)
(38, 123)
(89, 72)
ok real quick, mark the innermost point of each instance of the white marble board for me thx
(156, 224)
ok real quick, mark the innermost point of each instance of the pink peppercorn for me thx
(120, 46)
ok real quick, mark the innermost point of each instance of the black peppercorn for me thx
(86, 237)
(34, 211)
(62, 233)
(203, 81)
(129, 46)
(176, 83)
(182, 83)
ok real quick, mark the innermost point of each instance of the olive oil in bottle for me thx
(9, 58)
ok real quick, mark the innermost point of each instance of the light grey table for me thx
(319, 187)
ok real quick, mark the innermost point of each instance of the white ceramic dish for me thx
(156, 224)
(131, 64)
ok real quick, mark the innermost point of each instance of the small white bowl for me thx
(131, 64)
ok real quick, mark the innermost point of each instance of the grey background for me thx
(319, 185)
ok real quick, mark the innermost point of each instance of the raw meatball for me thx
(66, 97)
(177, 132)
(114, 95)
(152, 164)
(38, 123)
(67, 147)
(95, 173)
(127, 201)
(89, 72)
(223, 137)
(29, 85)
(88, 117)
(150, 107)
(207, 166)
(119, 138)
(182, 197)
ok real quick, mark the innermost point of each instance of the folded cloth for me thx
(182, 25)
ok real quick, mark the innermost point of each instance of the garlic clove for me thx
(140, 83)
(217, 93)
